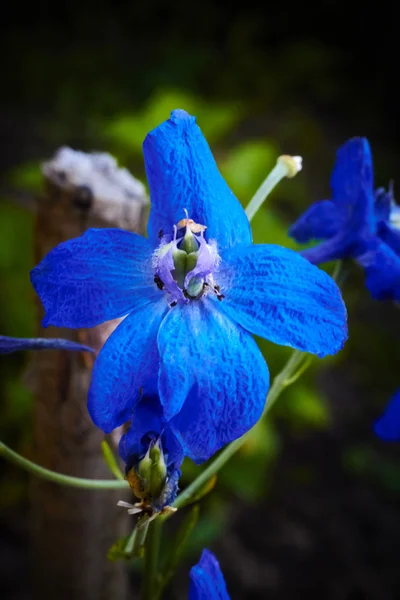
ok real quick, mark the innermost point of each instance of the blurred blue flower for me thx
(357, 222)
(154, 479)
(193, 293)
(387, 427)
(12, 344)
(206, 579)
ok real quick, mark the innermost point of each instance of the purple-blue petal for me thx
(213, 374)
(127, 365)
(382, 271)
(12, 344)
(275, 293)
(321, 221)
(182, 174)
(353, 185)
(94, 278)
(390, 235)
(383, 204)
(206, 579)
(148, 418)
(387, 427)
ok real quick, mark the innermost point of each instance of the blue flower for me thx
(387, 427)
(357, 222)
(193, 293)
(12, 344)
(153, 479)
(206, 579)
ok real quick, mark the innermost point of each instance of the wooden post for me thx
(73, 529)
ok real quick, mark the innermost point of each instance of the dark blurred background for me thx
(309, 508)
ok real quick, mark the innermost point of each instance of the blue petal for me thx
(390, 235)
(127, 365)
(275, 293)
(148, 418)
(387, 427)
(213, 373)
(383, 204)
(321, 221)
(182, 174)
(382, 271)
(11, 344)
(352, 185)
(91, 279)
(336, 248)
(206, 579)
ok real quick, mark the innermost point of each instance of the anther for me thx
(159, 283)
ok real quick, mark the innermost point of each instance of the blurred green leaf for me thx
(129, 130)
(303, 407)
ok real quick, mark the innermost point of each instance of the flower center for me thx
(184, 266)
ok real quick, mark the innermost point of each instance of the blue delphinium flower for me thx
(12, 344)
(387, 427)
(152, 455)
(358, 222)
(206, 579)
(194, 292)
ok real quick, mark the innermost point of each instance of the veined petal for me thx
(353, 186)
(11, 344)
(321, 221)
(382, 271)
(93, 278)
(387, 427)
(182, 174)
(213, 374)
(127, 365)
(206, 579)
(274, 292)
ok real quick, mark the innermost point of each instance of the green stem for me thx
(152, 549)
(67, 480)
(278, 172)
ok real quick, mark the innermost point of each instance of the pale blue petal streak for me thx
(275, 293)
(11, 344)
(387, 427)
(182, 174)
(319, 222)
(127, 366)
(213, 373)
(93, 278)
(206, 579)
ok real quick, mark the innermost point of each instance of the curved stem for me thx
(278, 172)
(67, 480)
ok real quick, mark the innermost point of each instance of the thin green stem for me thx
(151, 560)
(278, 172)
(67, 480)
